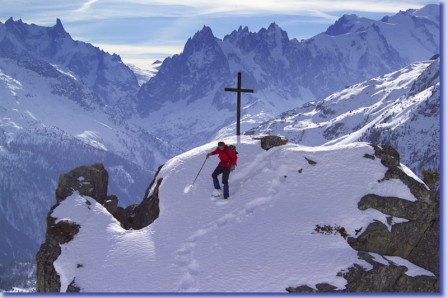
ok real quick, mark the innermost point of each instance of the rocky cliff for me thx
(416, 239)
(91, 181)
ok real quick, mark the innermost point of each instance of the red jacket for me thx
(227, 159)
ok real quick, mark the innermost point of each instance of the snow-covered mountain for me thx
(284, 73)
(401, 108)
(290, 211)
(54, 117)
(104, 74)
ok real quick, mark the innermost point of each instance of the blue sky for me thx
(141, 31)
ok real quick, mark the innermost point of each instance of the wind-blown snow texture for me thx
(261, 239)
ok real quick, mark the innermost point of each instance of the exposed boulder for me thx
(386, 278)
(310, 161)
(388, 155)
(268, 142)
(301, 289)
(87, 180)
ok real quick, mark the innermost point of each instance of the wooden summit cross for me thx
(238, 90)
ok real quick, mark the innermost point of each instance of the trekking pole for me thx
(199, 171)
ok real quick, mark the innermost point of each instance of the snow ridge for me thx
(262, 239)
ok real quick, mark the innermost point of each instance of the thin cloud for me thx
(142, 55)
(85, 6)
(140, 49)
(46, 12)
(204, 7)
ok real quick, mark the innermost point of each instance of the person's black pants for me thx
(225, 174)
(225, 178)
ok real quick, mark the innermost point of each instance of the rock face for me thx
(268, 142)
(60, 233)
(141, 215)
(416, 240)
(89, 181)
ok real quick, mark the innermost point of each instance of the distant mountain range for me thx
(285, 73)
(64, 103)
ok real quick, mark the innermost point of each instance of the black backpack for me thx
(233, 148)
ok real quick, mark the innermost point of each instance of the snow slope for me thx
(260, 240)
(401, 108)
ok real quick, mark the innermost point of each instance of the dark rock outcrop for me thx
(408, 239)
(416, 240)
(386, 278)
(89, 181)
(143, 214)
(73, 288)
(268, 142)
(310, 161)
(47, 278)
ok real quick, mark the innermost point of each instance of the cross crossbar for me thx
(239, 90)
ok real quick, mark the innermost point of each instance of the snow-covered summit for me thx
(103, 73)
(348, 23)
(264, 238)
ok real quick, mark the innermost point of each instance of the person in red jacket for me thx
(226, 165)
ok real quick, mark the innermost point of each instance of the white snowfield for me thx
(261, 239)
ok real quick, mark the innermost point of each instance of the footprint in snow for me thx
(219, 200)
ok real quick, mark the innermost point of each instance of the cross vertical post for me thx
(238, 105)
(238, 90)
